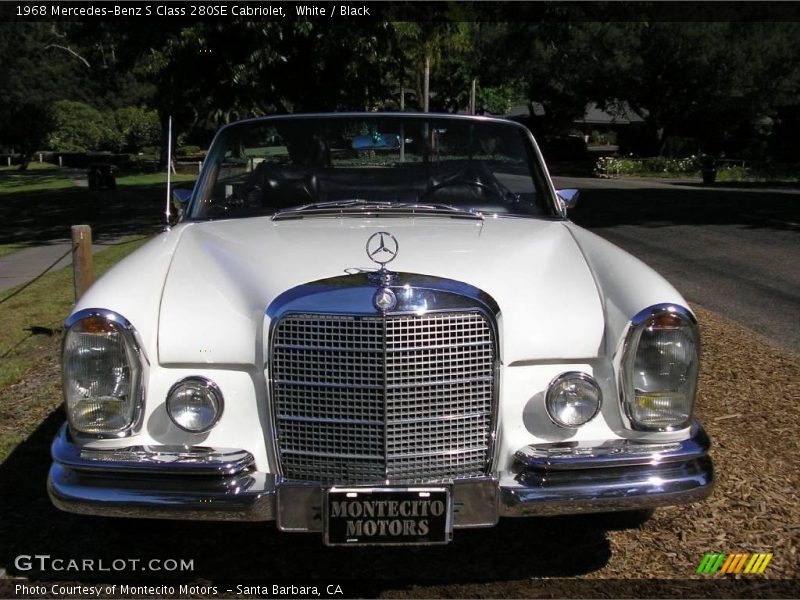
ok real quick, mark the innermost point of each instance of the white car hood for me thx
(224, 274)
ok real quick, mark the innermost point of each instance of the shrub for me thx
(189, 150)
(657, 165)
(732, 173)
(79, 127)
(137, 128)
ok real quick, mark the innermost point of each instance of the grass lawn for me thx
(9, 248)
(30, 337)
(153, 179)
(38, 177)
(44, 176)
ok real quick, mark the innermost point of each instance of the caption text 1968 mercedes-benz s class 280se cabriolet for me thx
(381, 328)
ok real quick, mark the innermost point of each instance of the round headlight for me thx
(573, 399)
(194, 404)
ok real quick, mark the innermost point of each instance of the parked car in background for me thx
(379, 346)
(102, 176)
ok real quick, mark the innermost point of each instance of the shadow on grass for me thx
(748, 206)
(10, 180)
(516, 549)
(41, 217)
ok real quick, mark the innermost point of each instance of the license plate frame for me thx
(409, 522)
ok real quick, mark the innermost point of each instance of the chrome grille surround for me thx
(363, 397)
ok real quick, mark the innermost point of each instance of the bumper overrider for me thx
(177, 482)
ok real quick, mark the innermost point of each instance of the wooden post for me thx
(82, 258)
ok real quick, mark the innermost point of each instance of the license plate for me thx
(357, 516)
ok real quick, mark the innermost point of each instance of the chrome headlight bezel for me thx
(131, 339)
(582, 377)
(629, 348)
(211, 387)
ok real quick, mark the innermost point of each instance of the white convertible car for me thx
(381, 328)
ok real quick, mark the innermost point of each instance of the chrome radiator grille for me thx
(368, 399)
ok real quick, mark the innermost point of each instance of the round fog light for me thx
(194, 404)
(573, 399)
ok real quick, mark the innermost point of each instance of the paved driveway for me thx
(734, 249)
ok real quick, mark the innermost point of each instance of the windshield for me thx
(381, 164)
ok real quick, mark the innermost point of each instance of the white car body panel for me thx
(224, 274)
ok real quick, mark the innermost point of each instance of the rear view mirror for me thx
(376, 141)
(180, 199)
(569, 197)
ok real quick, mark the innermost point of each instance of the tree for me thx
(136, 128)
(707, 83)
(34, 73)
(26, 127)
(78, 127)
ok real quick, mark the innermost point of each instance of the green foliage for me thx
(733, 173)
(79, 127)
(608, 166)
(726, 171)
(136, 128)
(189, 150)
(497, 100)
(699, 86)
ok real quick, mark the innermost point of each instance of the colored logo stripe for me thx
(730, 564)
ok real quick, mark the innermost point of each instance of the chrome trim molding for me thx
(248, 497)
(637, 321)
(601, 490)
(203, 484)
(167, 460)
(130, 332)
(352, 296)
(569, 456)
(558, 478)
(539, 170)
(218, 484)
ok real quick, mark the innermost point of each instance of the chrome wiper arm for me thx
(361, 206)
(331, 204)
(438, 206)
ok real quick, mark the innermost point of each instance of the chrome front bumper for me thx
(222, 484)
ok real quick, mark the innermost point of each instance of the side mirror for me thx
(180, 199)
(569, 197)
